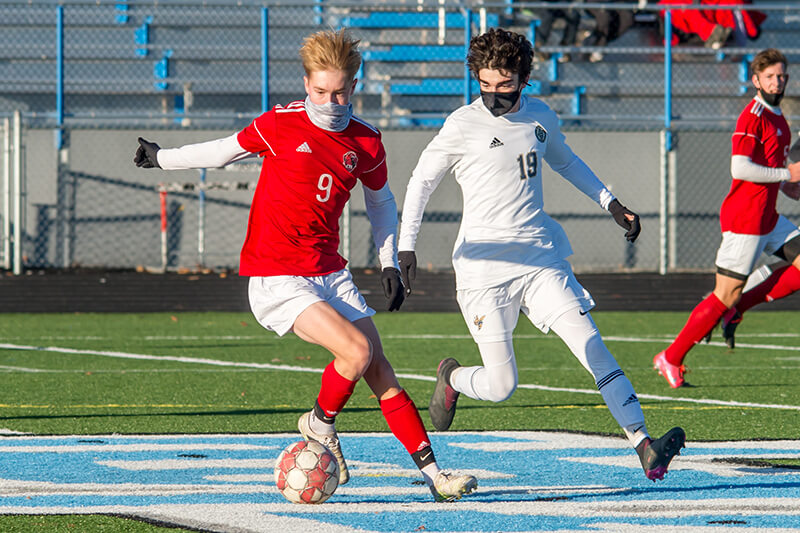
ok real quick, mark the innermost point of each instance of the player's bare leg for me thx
(405, 423)
(352, 350)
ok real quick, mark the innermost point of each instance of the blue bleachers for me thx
(388, 19)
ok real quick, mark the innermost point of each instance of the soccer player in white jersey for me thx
(315, 151)
(509, 255)
(750, 223)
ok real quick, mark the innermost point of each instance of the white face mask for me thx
(330, 116)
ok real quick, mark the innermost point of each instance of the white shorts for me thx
(543, 295)
(277, 301)
(739, 253)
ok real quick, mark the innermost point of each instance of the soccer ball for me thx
(306, 472)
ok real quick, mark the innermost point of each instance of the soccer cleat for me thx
(718, 37)
(730, 320)
(448, 487)
(329, 441)
(656, 455)
(442, 407)
(673, 373)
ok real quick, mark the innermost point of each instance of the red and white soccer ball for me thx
(306, 472)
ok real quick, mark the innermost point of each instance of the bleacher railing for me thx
(92, 71)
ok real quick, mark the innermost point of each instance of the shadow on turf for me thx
(661, 488)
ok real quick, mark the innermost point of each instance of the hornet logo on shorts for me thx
(478, 320)
(350, 160)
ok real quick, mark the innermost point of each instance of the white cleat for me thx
(329, 441)
(448, 487)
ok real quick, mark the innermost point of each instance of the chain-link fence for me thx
(81, 81)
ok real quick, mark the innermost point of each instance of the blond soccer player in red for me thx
(315, 151)
(749, 220)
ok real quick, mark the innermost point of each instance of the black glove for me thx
(408, 267)
(393, 288)
(620, 212)
(146, 154)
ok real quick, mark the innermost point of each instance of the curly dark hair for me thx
(765, 59)
(499, 49)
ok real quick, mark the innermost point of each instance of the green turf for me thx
(51, 392)
(77, 523)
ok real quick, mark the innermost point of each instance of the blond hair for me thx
(331, 50)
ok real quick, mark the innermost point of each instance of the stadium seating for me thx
(148, 59)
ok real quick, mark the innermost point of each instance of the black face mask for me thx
(772, 99)
(500, 103)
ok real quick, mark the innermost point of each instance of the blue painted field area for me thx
(527, 482)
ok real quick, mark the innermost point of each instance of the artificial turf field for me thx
(221, 373)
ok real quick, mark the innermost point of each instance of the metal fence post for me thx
(467, 39)
(6, 194)
(59, 76)
(17, 192)
(264, 59)
(666, 147)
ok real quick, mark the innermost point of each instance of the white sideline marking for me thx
(417, 377)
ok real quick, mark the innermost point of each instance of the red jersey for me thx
(764, 137)
(305, 182)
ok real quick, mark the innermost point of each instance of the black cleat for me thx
(656, 455)
(442, 407)
(729, 323)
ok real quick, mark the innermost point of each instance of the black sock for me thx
(321, 416)
(423, 457)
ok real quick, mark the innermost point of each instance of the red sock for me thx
(779, 284)
(334, 391)
(704, 317)
(404, 421)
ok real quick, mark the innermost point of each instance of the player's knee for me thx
(360, 354)
(501, 391)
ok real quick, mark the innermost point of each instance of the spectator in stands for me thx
(609, 24)
(713, 26)
(315, 151)
(547, 18)
(510, 256)
(749, 220)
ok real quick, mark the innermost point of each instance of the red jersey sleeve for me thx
(376, 175)
(256, 137)
(747, 139)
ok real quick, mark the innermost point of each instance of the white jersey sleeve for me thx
(563, 160)
(444, 150)
(743, 168)
(382, 213)
(210, 154)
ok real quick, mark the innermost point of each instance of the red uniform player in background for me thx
(714, 26)
(749, 220)
(315, 151)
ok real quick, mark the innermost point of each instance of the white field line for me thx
(417, 377)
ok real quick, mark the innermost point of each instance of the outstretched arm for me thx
(210, 154)
(438, 157)
(563, 160)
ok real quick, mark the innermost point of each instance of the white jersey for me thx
(497, 161)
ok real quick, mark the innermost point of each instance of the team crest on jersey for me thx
(350, 160)
(541, 134)
(478, 321)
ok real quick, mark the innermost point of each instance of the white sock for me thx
(429, 473)
(496, 380)
(580, 334)
(320, 427)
